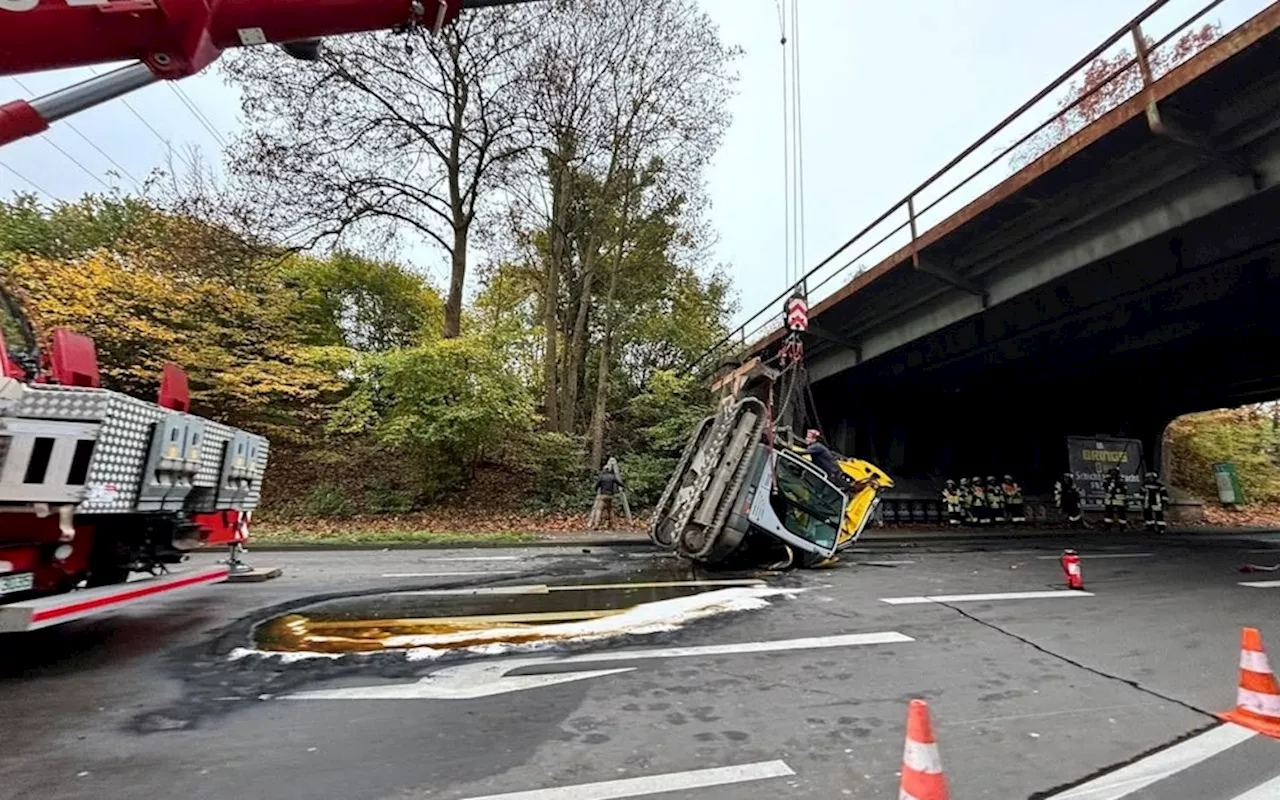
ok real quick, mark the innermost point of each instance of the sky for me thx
(891, 91)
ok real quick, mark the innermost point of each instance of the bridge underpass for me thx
(1128, 276)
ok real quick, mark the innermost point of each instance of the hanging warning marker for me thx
(797, 314)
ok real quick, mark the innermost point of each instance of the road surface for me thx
(1035, 692)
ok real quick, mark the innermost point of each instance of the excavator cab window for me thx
(806, 502)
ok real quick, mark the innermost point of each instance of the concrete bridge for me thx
(1126, 276)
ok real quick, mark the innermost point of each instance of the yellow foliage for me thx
(248, 361)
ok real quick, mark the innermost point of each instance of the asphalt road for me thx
(1030, 696)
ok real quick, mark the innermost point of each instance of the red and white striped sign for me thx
(797, 314)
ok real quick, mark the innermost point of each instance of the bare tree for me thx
(387, 133)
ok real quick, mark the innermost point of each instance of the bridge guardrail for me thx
(1163, 36)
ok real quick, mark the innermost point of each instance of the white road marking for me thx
(654, 784)
(546, 589)
(1267, 791)
(592, 587)
(977, 598)
(884, 563)
(1158, 766)
(1261, 584)
(1094, 556)
(446, 574)
(530, 589)
(487, 678)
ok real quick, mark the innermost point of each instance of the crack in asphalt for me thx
(1080, 665)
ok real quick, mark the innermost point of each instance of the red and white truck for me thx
(100, 492)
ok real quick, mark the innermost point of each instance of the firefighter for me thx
(1154, 498)
(1114, 497)
(995, 500)
(951, 502)
(1066, 496)
(978, 501)
(1014, 506)
(966, 501)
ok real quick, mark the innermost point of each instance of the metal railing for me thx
(1077, 98)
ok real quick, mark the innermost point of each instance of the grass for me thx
(284, 535)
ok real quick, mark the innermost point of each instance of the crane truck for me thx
(101, 492)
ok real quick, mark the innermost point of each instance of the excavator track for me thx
(692, 484)
(662, 530)
(737, 434)
(704, 547)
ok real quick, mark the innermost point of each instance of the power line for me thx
(76, 161)
(87, 140)
(28, 181)
(196, 112)
(150, 127)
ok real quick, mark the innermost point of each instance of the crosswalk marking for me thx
(977, 598)
(1267, 791)
(654, 784)
(1158, 766)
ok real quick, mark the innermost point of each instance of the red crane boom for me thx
(171, 39)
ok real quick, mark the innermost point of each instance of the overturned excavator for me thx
(743, 490)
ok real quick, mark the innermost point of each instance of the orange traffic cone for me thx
(1258, 701)
(922, 777)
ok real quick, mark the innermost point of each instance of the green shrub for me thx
(556, 463)
(327, 500)
(384, 498)
(646, 475)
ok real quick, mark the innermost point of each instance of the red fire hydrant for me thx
(1071, 568)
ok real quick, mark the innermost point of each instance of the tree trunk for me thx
(461, 224)
(606, 346)
(458, 277)
(577, 350)
(602, 375)
(551, 305)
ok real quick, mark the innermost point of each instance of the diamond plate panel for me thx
(121, 455)
(62, 403)
(123, 442)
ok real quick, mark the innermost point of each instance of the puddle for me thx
(501, 617)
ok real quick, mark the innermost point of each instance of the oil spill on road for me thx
(631, 604)
(510, 615)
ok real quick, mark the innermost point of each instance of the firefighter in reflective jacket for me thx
(995, 500)
(966, 501)
(1154, 498)
(1014, 506)
(978, 502)
(1066, 495)
(1114, 496)
(951, 502)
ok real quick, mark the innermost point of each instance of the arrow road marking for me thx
(487, 678)
(654, 784)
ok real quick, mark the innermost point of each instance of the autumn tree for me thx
(1107, 82)
(387, 133)
(619, 94)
